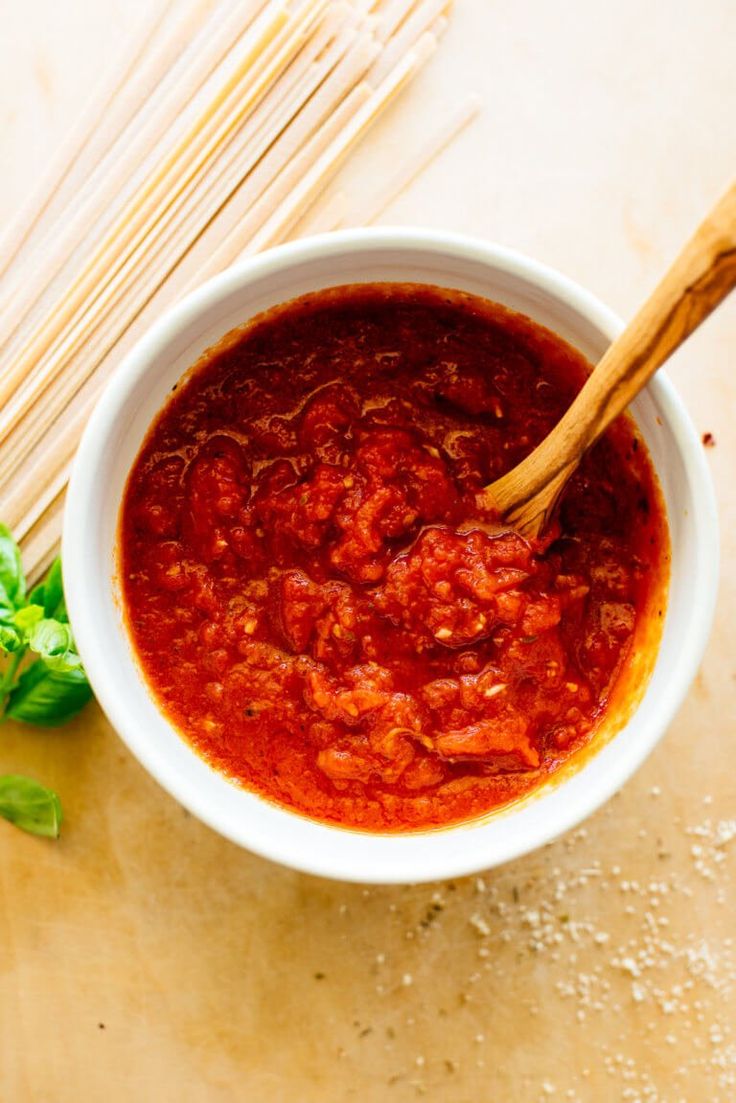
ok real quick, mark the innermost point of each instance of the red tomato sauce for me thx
(309, 585)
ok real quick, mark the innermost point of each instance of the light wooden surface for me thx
(142, 957)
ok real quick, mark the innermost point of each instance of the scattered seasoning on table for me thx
(661, 983)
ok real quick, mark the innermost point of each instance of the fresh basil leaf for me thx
(28, 617)
(7, 607)
(50, 594)
(53, 593)
(36, 596)
(69, 660)
(48, 696)
(10, 638)
(30, 805)
(49, 638)
(12, 579)
(53, 641)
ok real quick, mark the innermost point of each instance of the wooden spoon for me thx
(702, 275)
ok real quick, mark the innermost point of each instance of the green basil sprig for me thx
(47, 691)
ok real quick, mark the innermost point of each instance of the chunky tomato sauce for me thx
(313, 594)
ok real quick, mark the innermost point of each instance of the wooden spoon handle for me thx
(702, 275)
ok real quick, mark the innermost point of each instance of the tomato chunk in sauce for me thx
(315, 597)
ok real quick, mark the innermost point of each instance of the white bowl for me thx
(112, 439)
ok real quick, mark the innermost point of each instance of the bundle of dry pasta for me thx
(215, 137)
